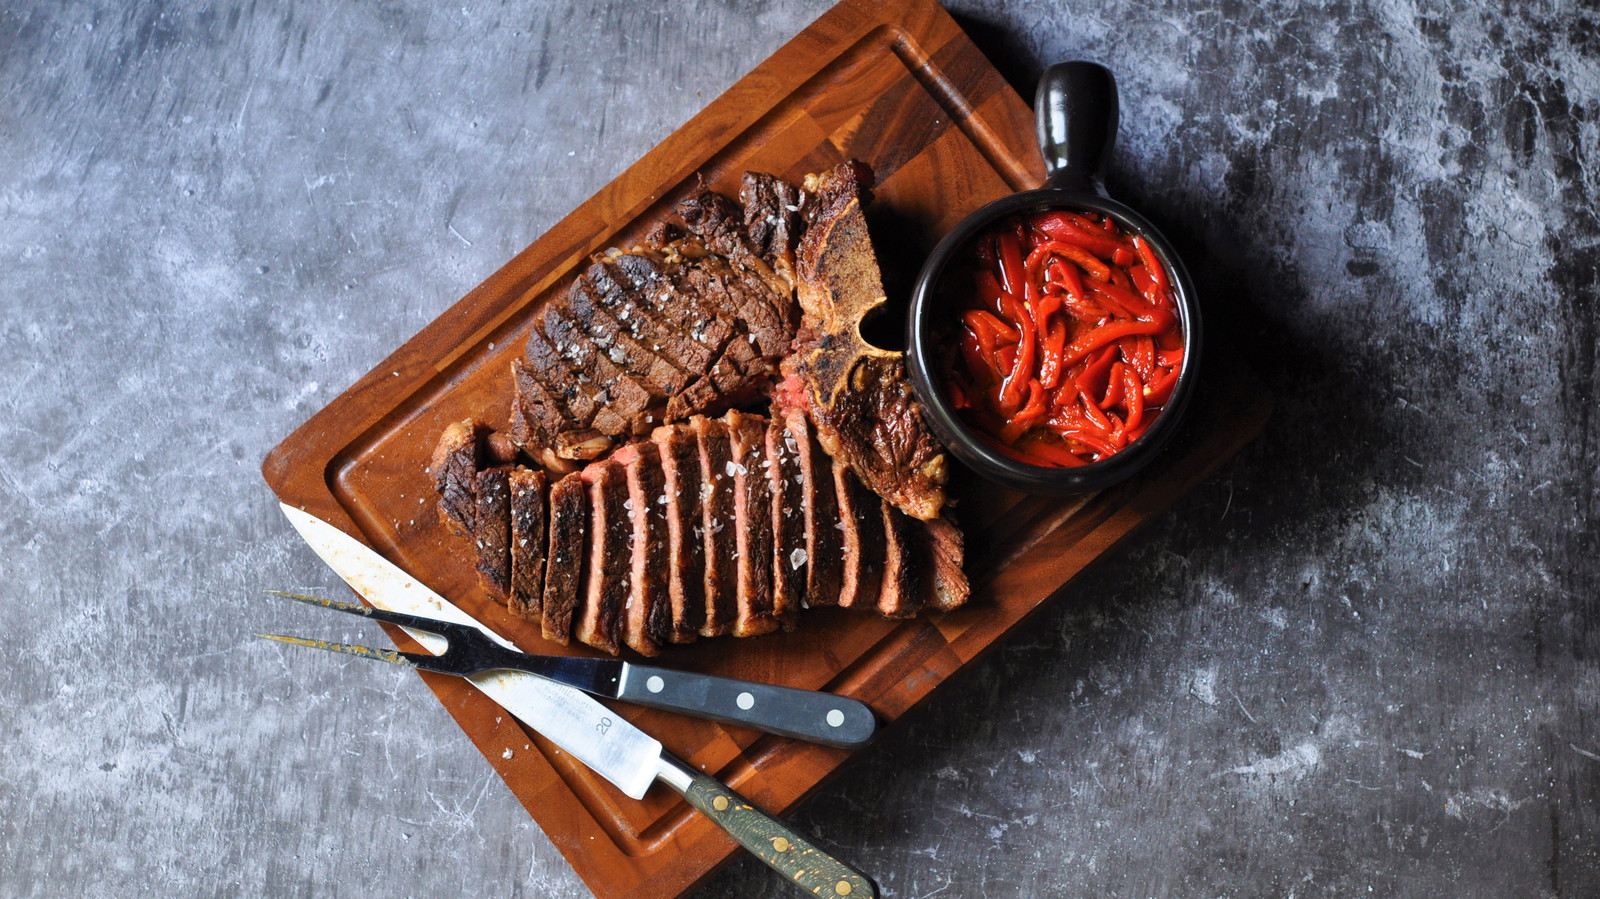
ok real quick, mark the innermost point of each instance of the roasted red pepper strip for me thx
(1013, 276)
(1114, 385)
(982, 319)
(1093, 378)
(1151, 263)
(1159, 389)
(1016, 384)
(1103, 335)
(1079, 256)
(1132, 398)
(1059, 227)
(1055, 341)
(1043, 448)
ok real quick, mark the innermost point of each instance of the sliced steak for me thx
(860, 398)
(588, 309)
(752, 497)
(905, 564)
(820, 520)
(528, 543)
(950, 588)
(620, 391)
(789, 556)
(635, 307)
(492, 533)
(565, 553)
(610, 565)
(861, 526)
(679, 451)
(717, 524)
(647, 618)
(774, 217)
(454, 466)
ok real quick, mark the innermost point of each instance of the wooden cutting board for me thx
(899, 86)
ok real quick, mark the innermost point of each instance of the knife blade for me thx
(582, 727)
(804, 714)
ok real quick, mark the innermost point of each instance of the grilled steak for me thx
(824, 565)
(716, 524)
(905, 564)
(752, 499)
(680, 525)
(666, 331)
(858, 395)
(789, 557)
(950, 587)
(680, 469)
(608, 575)
(647, 619)
(861, 525)
(565, 554)
(454, 466)
(526, 599)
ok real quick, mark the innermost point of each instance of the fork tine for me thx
(382, 655)
(415, 622)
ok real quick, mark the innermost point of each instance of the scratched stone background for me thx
(1360, 660)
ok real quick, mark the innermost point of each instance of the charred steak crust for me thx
(454, 466)
(493, 533)
(565, 554)
(527, 543)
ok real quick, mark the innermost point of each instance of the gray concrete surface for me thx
(1361, 660)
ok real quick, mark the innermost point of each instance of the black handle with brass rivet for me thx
(792, 855)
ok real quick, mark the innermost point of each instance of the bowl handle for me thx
(1075, 112)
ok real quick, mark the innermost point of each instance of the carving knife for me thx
(610, 745)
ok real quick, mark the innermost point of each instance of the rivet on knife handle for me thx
(804, 714)
(794, 856)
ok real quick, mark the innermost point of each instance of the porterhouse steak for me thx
(661, 509)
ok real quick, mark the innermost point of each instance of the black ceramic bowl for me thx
(1076, 113)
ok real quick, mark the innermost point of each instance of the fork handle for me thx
(804, 714)
(801, 861)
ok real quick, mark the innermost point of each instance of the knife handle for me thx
(804, 714)
(788, 853)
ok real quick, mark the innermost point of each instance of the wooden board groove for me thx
(901, 87)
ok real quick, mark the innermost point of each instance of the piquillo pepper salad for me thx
(1070, 341)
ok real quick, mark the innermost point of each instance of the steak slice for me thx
(610, 567)
(821, 521)
(454, 466)
(862, 528)
(620, 391)
(950, 588)
(905, 564)
(717, 524)
(754, 613)
(634, 306)
(647, 618)
(564, 557)
(616, 337)
(492, 533)
(680, 469)
(527, 543)
(774, 218)
(860, 399)
(789, 556)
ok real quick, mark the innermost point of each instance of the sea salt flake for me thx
(796, 559)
